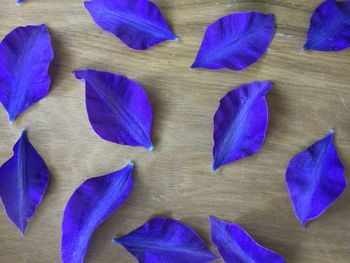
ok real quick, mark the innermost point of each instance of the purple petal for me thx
(166, 240)
(240, 123)
(25, 56)
(20, 1)
(235, 41)
(138, 23)
(315, 178)
(118, 108)
(23, 182)
(91, 204)
(329, 27)
(235, 245)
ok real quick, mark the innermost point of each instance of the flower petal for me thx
(91, 204)
(329, 27)
(25, 56)
(166, 240)
(23, 182)
(118, 108)
(235, 41)
(315, 179)
(138, 23)
(237, 246)
(240, 123)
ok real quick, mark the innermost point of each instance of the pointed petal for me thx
(315, 179)
(91, 204)
(329, 27)
(235, 41)
(138, 23)
(23, 182)
(166, 240)
(235, 245)
(25, 56)
(240, 123)
(118, 108)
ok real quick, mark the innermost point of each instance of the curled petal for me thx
(166, 240)
(329, 27)
(138, 23)
(25, 56)
(118, 108)
(23, 182)
(240, 123)
(91, 204)
(237, 246)
(315, 179)
(235, 41)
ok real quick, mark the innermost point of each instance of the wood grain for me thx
(310, 96)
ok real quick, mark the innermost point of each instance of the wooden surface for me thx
(310, 96)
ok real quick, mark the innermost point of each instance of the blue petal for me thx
(138, 23)
(237, 246)
(315, 179)
(235, 41)
(23, 182)
(25, 56)
(329, 27)
(94, 200)
(166, 240)
(118, 108)
(240, 123)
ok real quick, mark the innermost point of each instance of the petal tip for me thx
(23, 133)
(130, 164)
(193, 66)
(12, 118)
(22, 230)
(307, 46)
(150, 148)
(214, 167)
(212, 218)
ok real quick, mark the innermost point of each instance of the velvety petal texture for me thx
(25, 56)
(315, 179)
(91, 204)
(23, 182)
(166, 240)
(138, 23)
(235, 245)
(118, 108)
(329, 27)
(240, 123)
(235, 41)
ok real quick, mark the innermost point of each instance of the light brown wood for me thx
(311, 95)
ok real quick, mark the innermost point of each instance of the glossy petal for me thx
(329, 27)
(138, 23)
(91, 204)
(25, 56)
(23, 182)
(235, 245)
(315, 178)
(166, 240)
(235, 41)
(240, 123)
(118, 108)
